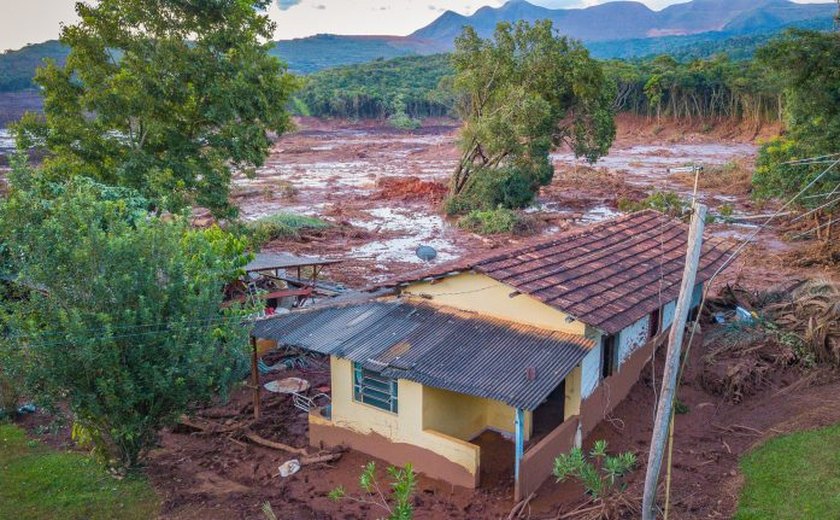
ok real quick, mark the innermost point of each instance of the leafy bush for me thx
(399, 507)
(601, 474)
(495, 221)
(489, 188)
(127, 328)
(403, 121)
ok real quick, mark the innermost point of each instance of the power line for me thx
(720, 269)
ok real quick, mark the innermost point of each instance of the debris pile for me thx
(795, 329)
(812, 312)
(410, 188)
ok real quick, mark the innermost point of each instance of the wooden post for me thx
(672, 362)
(255, 377)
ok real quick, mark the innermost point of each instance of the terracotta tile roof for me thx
(607, 275)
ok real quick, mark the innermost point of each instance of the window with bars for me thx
(373, 389)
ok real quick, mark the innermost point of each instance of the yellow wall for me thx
(480, 293)
(465, 416)
(572, 404)
(406, 427)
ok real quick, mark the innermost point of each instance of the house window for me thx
(373, 389)
(609, 356)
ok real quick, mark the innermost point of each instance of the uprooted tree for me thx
(123, 323)
(167, 97)
(521, 95)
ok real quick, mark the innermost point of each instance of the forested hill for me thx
(415, 87)
(610, 30)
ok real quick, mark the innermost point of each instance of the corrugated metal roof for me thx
(437, 346)
(278, 260)
(608, 275)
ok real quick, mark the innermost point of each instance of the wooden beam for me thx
(255, 377)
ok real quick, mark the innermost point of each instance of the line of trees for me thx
(716, 87)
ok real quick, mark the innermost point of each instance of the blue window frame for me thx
(373, 389)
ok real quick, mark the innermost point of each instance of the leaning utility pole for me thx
(672, 361)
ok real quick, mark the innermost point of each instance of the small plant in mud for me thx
(398, 505)
(666, 202)
(495, 221)
(599, 473)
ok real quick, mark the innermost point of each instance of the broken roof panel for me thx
(278, 260)
(607, 275)
(440, 347)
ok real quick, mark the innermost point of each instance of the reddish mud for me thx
(382, 187)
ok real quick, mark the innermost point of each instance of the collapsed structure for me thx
(524, 349)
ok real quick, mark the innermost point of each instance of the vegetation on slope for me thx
(379, 89)
(39, 482)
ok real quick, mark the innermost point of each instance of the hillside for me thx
(629, 20)
(621, 29)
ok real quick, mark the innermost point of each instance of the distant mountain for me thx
(626, 20)
(615, 29)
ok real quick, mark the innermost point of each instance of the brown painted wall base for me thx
(423, 460)
(538, 462)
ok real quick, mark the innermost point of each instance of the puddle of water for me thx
(599, 213)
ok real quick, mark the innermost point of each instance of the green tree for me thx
(522, 94)
(807, 64)
(123, 322)
(164, 96)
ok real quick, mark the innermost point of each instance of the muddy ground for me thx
(382, 188)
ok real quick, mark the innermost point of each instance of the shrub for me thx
(496, 221)
(666, 202)
(509, 188)
(280, 225)
(403, 121)
(127, 330)
(600, 474)
(399, 507)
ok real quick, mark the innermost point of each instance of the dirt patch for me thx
(410, 188)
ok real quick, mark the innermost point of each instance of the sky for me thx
(33, 21)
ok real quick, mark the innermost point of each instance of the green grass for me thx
(792, 477)
(37, 482)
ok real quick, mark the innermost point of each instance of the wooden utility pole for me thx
(255, 376)
(672, 362)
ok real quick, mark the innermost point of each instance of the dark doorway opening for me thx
(609, 356)
(549, 415)
(655, 322)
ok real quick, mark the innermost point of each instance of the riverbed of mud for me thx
(337, 171)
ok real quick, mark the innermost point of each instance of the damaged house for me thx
(520, 352)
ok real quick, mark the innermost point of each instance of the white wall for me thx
(591, 371)
(632, 337)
